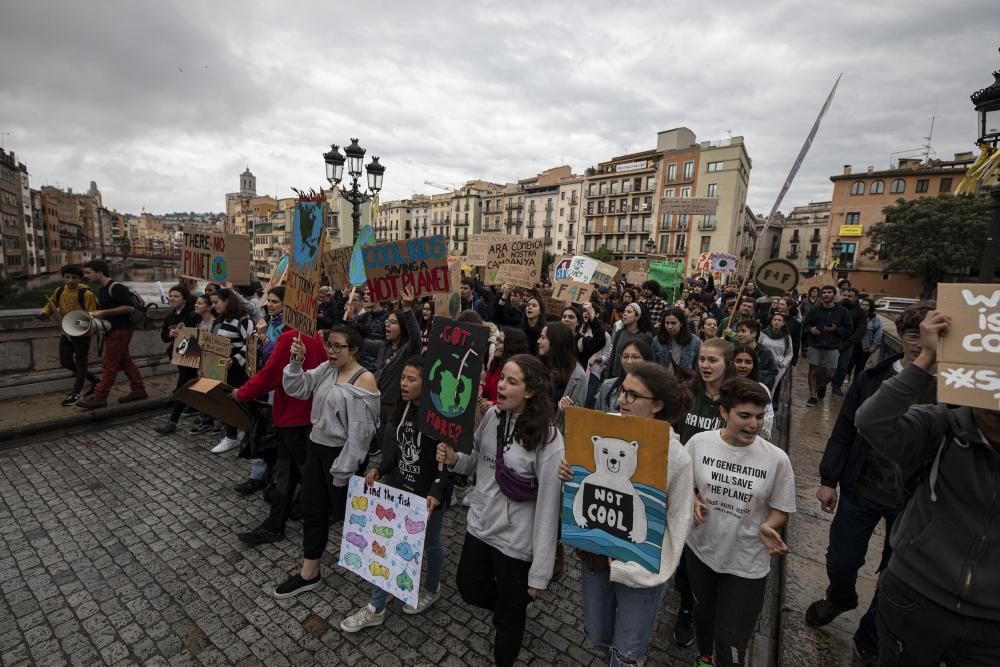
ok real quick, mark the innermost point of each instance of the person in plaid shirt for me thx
(652, 302)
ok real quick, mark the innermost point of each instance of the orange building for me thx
(857, 204)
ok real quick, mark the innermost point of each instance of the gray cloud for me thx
(164, 104)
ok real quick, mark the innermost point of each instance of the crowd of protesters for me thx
(708, 361)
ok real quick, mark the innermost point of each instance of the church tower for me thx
(248, 184)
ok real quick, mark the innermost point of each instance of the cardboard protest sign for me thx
(560, 267)
(517, 251)
(616, 503)
(555, 306)
(216, 257)
(303, 279)
(668, 273)
(337, 267)
(187, 351)
(775, 277)
(582, 269)
(212, 397)
(968, 365)
(455, 353)
(366, 236)
(253, 354)
(383, 537)
(627, 265)
(215, 351)
(568, 290)
(479, 247)
(604, 274)
(280, 270)
(636, 277)
(520, 276)
(420, 264)
(449, 304)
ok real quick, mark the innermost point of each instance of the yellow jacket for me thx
(70, 300)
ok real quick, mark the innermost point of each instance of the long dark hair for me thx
(871, 307)
(663, 386)
(645, 351)
(416, 361)
(534, 428)
(514, 342)
(353, 336)
(561, 357)
(755, 371)
(233, 308)
(404, 334)
(684, 337)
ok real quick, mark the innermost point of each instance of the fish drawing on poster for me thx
(383, 537)
(616, 503)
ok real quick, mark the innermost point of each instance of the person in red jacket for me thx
(291, 420)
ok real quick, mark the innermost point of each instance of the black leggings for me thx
(322, 502)
(236, 378)
(184, 375)
(288, 471)
(491, 580)
(726, 608)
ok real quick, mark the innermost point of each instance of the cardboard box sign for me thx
(968, 365)
(420, 264)
(186, 351)
(337, 267)
(573, 292)
(215, 351)
(216, 257)
(212, 397)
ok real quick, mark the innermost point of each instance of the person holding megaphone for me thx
(74, 351)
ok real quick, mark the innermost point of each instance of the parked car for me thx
(893, 304)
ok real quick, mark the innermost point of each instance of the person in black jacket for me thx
(939, 597)
(826, 326)
(181, 315)
(787, 307)
(477, 297)
(869, 492)
(409, 462)
(859, 321)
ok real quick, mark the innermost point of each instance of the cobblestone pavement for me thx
(118, 546)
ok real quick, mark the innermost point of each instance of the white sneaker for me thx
(225, 445)
(425, 600)
(366, 617)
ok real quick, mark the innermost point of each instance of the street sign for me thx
(776, 277)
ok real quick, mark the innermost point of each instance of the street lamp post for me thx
(354, 156)
(987, 101)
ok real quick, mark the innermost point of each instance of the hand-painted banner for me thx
(215, 352)
(519, 276)
(604, 274)
(560, 268)
(616, 503)
(449, 304)
(668, 273)
(420, 264)
(582, 268)
(279, 273)
(187, 351)
(517, 251)
(216, 257)
(968, 366)
(303, 279)
(337, 267)
(455, 356)
(479, 247)
(574, 292)
(383, 537)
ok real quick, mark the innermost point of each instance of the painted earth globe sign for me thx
(218, 269)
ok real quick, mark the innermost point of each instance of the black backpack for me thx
(79, 295)
(140, 313)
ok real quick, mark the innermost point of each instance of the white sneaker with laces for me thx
(425, 600)
(225, 445)
(366, 617)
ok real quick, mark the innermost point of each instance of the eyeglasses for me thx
(388, 322)
(336, 347)
(628, 396)
(911, 338)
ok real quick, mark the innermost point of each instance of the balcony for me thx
(571, 218)
(515, 205)
(813, 256)
(792, 254)
(548, 224)
(548, 240)
(706, 226)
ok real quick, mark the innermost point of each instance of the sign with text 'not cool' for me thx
(968, 365)
(455, 355)
(616, 503)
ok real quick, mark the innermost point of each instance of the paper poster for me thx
(560, 267)
(216, 257)
(420, 264)
(187, 351)
(479, 247)
(968, 365)
(581, 269)
(303, 278)
(449, 304)
(280, 270)
(215, 351)
(573, 292)
(616, 503)
(383, 538)
(455, 356)
(337, 268)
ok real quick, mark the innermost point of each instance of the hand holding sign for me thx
(298, 350)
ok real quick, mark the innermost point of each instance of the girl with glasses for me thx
(608, 395)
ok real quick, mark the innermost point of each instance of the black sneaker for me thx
(166, 429)
(248, 487)
(260, 536)
(90, 392)
(71, 399)
(812, 402)
(220, 427)
(188, 412)
(683, 628)
(295, 584)
(837, 391)
(821, 392)
(822, 612)
(200, 427)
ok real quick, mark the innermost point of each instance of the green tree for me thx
(601, 254)
(932, 237)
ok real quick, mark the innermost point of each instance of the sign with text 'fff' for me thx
(616, 503)
(383, 540)
(968, 365)
(216, 257)
(455, 355)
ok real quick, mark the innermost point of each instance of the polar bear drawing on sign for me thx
(606, 499)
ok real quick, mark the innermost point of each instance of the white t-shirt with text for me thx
(740, 485)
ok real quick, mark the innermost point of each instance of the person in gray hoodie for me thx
(510, 546)
(344, 415)
(939, 599)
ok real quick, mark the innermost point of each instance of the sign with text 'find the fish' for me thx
(383, 540)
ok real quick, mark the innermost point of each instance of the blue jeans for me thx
(618, 618)
(433, 557)
(850, 531)
(258, 469)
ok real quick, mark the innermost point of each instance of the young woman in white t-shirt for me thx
(744, 492)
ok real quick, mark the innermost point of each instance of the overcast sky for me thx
(165, 103)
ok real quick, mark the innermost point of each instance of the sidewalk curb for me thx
(10, 436)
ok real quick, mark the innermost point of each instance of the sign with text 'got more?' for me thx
(216, 257)
(616, 503)
(968, 365)
(455, 355)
